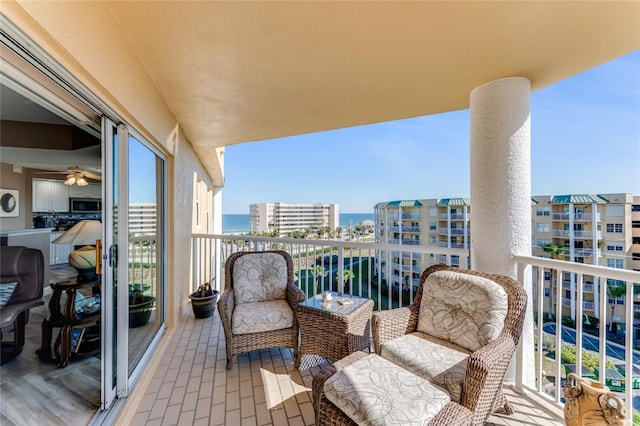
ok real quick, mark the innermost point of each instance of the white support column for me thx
(501, 190)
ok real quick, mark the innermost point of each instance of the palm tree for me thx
(319, 272)
(554, 250)
(615, 290)
(347, 275)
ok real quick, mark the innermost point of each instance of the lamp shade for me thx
(83, 232)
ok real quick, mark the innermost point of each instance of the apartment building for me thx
(601, 229)
(142, 219)
(284, 218)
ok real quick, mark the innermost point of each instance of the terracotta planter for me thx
(589, 402)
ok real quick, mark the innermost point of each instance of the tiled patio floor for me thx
(192, 387)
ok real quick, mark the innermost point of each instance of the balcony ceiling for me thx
(234, 72)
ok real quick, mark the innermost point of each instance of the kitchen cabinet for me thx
(58, 253)
(50, 196)
(93, 190)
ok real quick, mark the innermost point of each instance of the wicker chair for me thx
(478, 374)
(258, 303)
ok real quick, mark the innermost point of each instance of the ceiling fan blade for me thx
(92, 175)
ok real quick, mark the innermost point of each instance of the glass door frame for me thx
(116, 173)
(126, 381)
(107, 359)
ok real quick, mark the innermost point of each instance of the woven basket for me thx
(204, 307)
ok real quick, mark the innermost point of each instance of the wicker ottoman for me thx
(327, 413)
(334, 330)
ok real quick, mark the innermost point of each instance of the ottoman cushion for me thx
(374, 391)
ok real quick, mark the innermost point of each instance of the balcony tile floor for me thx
(191, 385)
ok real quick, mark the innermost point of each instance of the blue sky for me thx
(585, 138)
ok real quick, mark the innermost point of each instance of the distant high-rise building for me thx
(284, 218)
(142, 219)
(602, 229)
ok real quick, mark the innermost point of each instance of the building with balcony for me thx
(151, 93)
(595, 229)
(284, 218)
(142, 219)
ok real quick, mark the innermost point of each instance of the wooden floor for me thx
(33, 392)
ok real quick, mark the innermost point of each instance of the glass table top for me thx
(343, 304)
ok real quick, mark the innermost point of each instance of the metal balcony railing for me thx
(375, 276)
(555, 325)
(566, 233)
(578, 217)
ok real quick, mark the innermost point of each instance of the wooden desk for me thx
(67, 320)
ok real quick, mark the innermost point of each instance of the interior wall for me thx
(18, 181)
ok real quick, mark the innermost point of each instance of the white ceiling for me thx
(231, 72)
(16, 107)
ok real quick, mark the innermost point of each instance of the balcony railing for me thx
(456, 216)
(390, 286)
(454, 231)
(578, 217)
(566, 233)
(550, 331)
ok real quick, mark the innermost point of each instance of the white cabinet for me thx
(93, 190)
(50, 196)
(58, 253)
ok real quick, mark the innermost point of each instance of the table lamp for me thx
(87, 233)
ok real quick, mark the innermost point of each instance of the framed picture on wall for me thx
(9, 203)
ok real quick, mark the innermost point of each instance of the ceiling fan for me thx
(77, 176)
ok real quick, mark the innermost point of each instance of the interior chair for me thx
(21, 286)
(459, 334)
(258, 302)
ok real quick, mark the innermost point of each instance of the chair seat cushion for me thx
(374, 391)
(261, 316)
(433, 359)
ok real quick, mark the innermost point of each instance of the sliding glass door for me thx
(134, 269)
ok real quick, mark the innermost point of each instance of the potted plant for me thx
(203, 300)
(140, 306)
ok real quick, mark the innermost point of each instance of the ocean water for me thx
(239, 223)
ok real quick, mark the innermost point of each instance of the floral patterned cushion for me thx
(374, 391)
(463, 309)
(435, 360)
(259, 277)
(263, 316)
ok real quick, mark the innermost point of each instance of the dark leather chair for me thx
(25, 266)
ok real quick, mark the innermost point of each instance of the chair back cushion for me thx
(464, 309)
(24, 266)
(259, 277)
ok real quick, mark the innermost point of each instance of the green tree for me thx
(555, 251)
(615, 289)
(347, 276)
(319, 272)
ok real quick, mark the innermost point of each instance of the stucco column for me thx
(501, 187)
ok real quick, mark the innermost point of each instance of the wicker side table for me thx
(333, 330)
